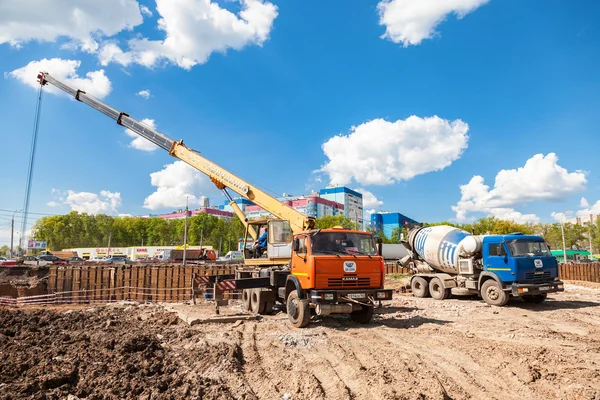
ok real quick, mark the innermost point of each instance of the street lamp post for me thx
(185, 230)
(562, 229)
(12, 231)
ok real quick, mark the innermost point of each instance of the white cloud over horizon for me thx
(411, 21)
(379, 152)
(176, 182)
(105, 202)
(95, 83)
(540, 179)
(140, 142)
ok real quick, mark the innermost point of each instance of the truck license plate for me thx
(544, 288)
(356, 295)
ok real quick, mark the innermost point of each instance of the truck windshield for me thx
(343, 242)
(523, 248)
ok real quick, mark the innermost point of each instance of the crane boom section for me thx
(219, 176)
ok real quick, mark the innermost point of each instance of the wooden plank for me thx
(159, 284)
(76, 284)
(84, 284)
(97, 283)
(141, 284)
(154, 284)
(52, 280)
(175, 295)
(119, 282)
(130, 281)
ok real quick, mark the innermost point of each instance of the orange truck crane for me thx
(308, 270)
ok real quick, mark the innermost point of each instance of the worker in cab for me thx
(261, 243)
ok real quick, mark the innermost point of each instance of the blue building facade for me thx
(386, 222)
(242, 203)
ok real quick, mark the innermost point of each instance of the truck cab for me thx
(328, 271)
(522, 264)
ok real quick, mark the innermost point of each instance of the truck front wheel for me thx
(419, 287)
(535, 298)
(493, 294)
(362, 316)
(298, 310)
(437, 289)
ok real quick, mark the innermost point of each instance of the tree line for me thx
(83, 230)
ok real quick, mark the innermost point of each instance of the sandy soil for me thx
(415, 349)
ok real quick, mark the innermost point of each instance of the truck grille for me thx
(532, 276)
(349, 281)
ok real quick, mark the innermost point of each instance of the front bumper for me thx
(526, 289)
(346, 296)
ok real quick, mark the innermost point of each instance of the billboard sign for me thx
(36, 244)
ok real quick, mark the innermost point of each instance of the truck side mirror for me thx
(379, 240)
(296, 244)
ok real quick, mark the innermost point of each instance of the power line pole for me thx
(591, 249)
(562, 229)
(185, 230)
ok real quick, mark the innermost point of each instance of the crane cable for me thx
(36, 127)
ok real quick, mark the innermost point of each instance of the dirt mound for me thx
(111, 353)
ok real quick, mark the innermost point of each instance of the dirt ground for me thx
(415, 349)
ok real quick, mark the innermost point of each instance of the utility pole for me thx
(185, 230)
(108, 249)
(562, 229)
(591, 249)
(12, 232)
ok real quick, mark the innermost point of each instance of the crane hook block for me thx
(42, 79)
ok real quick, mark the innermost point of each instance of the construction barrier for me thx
(579, 272)
(173, 283)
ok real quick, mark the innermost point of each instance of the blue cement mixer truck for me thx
(449, 261)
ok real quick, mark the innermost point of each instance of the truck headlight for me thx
(381, 295)
(523, 290)
(328, 296)
(561, 286)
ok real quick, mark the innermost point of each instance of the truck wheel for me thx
(419, 287)
(437, 290)
(298, 310)
(257, 304)
(493, 294)
(535, 298)
(363, 316)
(246, 293)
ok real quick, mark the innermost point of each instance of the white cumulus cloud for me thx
(541, 178)
(144, 93)
(95, 83)
(369, 199)
(176, 182)
(585, 208)
(140, 142)
(411, 21)
(380, 152)
(194, 29)
(91, 203)
(83, 21)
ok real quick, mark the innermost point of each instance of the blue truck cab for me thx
(521, 264)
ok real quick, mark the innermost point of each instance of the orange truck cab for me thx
(326, 271)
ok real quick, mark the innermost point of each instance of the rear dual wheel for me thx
(438, 290)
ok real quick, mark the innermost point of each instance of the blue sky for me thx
(405, 100)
